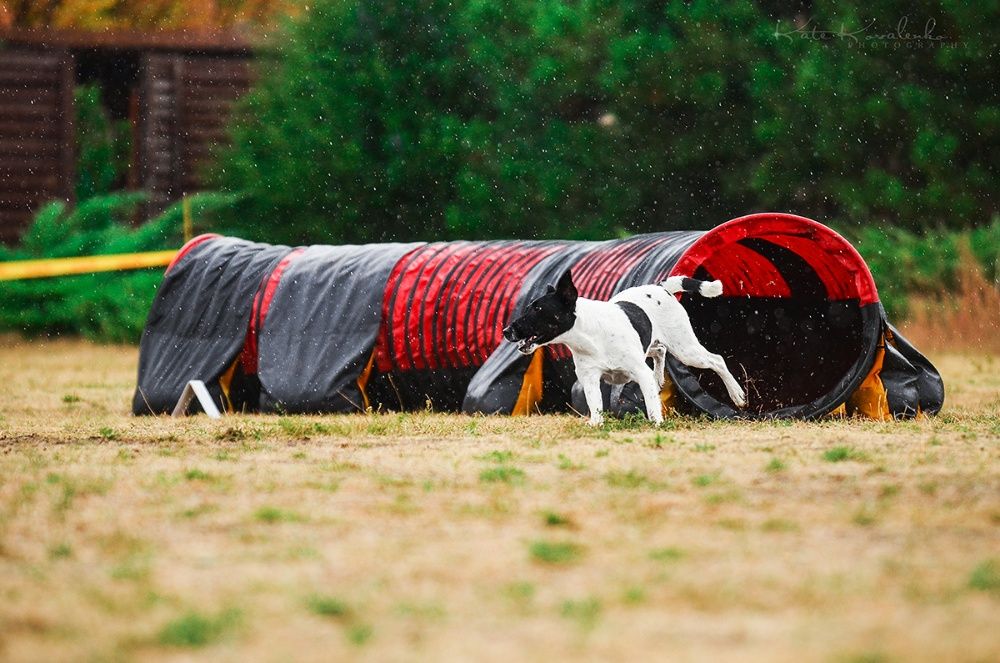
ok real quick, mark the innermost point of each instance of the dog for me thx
(611, 340)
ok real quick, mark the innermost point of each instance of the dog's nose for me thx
(508, 333)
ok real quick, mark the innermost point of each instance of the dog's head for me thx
(549, 316)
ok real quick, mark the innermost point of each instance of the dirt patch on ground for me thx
(443, 537)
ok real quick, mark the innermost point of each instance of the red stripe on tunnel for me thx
(744, 272)
(838, 264)
(444, 305)
(258, 312)
(431, 347)
(489, 325)
(383, 346)
(419, 354)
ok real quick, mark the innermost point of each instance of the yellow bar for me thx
(39, 269)
(188, 221)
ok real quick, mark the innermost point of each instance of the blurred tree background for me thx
(429, 119)
(101, 14)
(381, 120)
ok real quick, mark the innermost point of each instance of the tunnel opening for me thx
(798, 323)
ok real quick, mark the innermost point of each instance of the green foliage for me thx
(110, 306)
(903, 262)
(436, 120)
(103, 146)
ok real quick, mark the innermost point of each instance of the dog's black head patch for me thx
(547, 317)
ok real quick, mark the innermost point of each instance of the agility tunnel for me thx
(410, 326)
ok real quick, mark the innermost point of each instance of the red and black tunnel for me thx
(398, 326)
(799, 322)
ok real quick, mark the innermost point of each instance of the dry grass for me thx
(435, 537)
(967, 317)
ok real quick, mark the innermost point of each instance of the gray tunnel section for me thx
(321, 327)
(198, 321)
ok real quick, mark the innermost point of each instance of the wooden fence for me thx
(36, 134)
(180, 103)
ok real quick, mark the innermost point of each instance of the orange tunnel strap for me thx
(363, 381)
(226, 382)
(870, 399)
(669, 399)
(531, 387)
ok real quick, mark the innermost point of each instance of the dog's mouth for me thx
(528, 345)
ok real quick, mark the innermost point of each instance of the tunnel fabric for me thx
(197, 324)
(404, 326)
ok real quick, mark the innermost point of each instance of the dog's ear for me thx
(565, 288)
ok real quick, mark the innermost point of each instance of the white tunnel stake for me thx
(196, 388)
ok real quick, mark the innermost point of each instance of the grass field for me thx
(442, 537)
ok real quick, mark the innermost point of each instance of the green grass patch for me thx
(498, 456)
(775, 465)
(629, 479)
(553, 519)
(779, 525)
(272, 514)
(585, 612)
(866, 516)
(986, 576)
(842, 453)
(502, 474)
(669, 554)
(328, 606)
(704, 480)
(566, 463)
(521, 593)
(360, 634)
(194, 629)
(634, 595)
(555, 552)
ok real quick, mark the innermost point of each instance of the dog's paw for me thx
(595, 421)
(740, 399)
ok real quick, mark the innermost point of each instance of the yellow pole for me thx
(37, 269)
(188, 222)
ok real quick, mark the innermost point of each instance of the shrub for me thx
(110, 306)
(903, 262)
(103, 146)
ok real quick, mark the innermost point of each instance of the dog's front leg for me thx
(591, 382)
(650, 394)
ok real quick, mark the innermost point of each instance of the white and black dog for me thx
(611, 340)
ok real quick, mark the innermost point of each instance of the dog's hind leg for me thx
(698, 356)
(658, 352)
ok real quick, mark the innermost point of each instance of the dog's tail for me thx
(676, 284)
